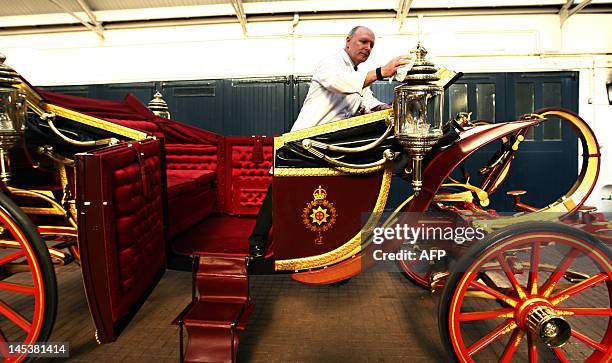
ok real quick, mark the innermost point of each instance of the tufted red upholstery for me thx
(121, 229)
(191, 157)
(137, 197)
(249, 160)
(243, 165)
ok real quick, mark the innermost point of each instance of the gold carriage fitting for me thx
(159, 106)
(12, 115)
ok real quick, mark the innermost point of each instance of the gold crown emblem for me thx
(319, 193)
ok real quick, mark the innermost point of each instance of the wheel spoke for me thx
(585, 311)
(510, 275)
(559, 354)
(488, 281)
(578, 288)
(508, 300)
(556, 275)
(12, 257)
(532, 285)
(501, 330)
(24, 289)
(482, 315)
(532, 349)
(514, 342)
(588, 341)
(14, 316)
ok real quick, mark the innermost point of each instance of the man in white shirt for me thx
(338, 90)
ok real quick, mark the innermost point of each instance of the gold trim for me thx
(285, 172)
(331, 127)
(349, 248)
(45, 195)
(33, 99)
(579, 191)
(96, 122)
(58, 230)
(454, 197)
(42, 211)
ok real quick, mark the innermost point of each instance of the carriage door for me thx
(122, 235)
(547, 163)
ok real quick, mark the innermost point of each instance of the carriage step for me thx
(219, 311)
(223, 278)
(213, 328)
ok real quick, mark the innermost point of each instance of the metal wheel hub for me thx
(539, 318)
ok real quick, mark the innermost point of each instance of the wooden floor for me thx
(392, 322)
(376, 317)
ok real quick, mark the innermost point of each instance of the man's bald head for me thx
(359, 44)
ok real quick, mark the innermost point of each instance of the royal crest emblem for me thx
(319, 215)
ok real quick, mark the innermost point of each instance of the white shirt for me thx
(336, 92)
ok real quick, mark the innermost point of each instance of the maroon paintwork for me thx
(292, 194)
(121, 230)
(436, 171)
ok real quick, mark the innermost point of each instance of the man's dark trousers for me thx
(263, 224)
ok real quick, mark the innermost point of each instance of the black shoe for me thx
(256, 251)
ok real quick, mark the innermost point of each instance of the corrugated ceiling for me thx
(37, 7)
(28, 13)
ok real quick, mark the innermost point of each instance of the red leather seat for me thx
(192, 196)
(188, 181)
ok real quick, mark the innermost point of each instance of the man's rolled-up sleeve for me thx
(369, 101)
(338, 80)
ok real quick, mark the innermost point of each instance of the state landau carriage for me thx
(117, 187)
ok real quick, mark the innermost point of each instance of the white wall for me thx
(491, 43)
(468, 44)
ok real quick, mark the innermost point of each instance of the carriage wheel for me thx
(28, 289)
(537, 291)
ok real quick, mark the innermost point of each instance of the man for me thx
(338, 90)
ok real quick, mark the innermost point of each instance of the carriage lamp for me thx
(417, 111)
(158, 106)
(12, 116)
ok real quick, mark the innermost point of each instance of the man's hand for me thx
(381, 107)
(390, 68)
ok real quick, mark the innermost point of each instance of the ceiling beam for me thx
(403, 7)
(239, 9)
(567, 10)
(74, 15)
(92, 18)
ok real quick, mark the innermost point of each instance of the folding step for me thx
(219, 311)
(223, 278)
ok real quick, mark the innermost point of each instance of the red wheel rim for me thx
(479, 332)
(21, 294)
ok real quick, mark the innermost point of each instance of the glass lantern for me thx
(417, 111)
